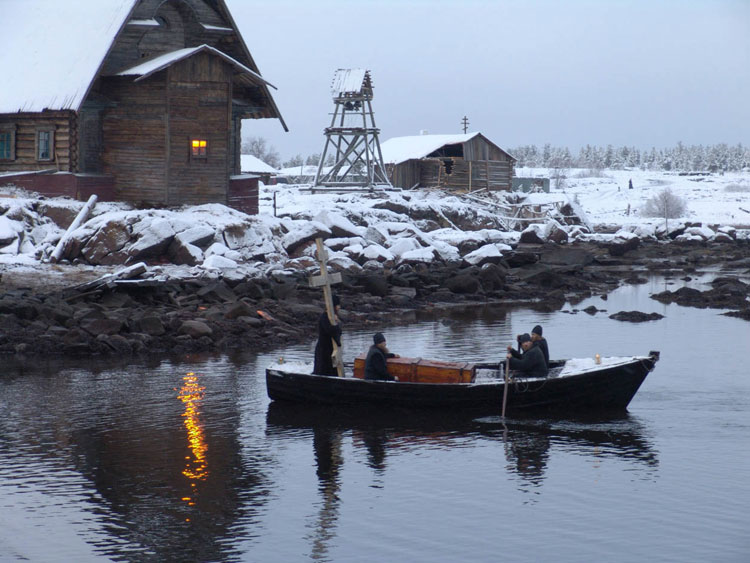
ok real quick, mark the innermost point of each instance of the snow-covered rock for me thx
(301, 232)
(216, 262)
(401, 245)
(339, 225)
(488, 254)
(422, 255)
(703, 232)
(377, 252)
(9, 230)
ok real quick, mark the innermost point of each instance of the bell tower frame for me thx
(352, 137)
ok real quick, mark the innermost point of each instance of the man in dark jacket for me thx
(538, 340)
(327, 334)
(531, 362)
(376, 366)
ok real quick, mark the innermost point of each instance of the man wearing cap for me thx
(531, 363)
(538, 340)
(327, 333)
(376, 366)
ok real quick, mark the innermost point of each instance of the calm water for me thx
(187, 460)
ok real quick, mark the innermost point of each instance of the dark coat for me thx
(531, 364)
(376, 366)
(324, 348)
(542, 344)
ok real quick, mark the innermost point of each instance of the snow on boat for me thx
(578, 386)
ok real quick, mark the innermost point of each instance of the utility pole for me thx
(465, 123)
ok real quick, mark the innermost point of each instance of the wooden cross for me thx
(325, 280)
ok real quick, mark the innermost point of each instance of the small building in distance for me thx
(253, 165)
(466, 162)
(135, 100)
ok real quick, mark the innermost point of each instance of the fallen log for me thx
(80, 218)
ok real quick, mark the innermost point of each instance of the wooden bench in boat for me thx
(417, 370)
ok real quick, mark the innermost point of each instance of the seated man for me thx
(531, 363)
(376, 366)
(538, 340)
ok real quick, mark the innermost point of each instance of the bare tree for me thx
(259, 147)
(665, 204)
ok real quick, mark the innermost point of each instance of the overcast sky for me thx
(626, 72)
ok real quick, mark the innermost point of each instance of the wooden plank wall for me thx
(434, 174)
(199, 107)
(26, 124)
(134, 138)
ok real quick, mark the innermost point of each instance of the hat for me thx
(524, 338)
(537, 330)
(378, 338)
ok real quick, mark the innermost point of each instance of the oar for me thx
(505, 387)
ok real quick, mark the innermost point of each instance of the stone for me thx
(239, 309)
(153, 239)
(150, 325)
(303, 232)
(464, 284)
(106, 245)
(195, 329)
(102, 326)
(200, 236)
(636, 316)
(533, 234)
(183, 252)
(339, 225)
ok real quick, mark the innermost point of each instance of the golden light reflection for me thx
(191, 394)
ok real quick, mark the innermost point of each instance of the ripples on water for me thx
(187, 460)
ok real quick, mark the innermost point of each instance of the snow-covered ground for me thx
(606, 198)
(362, 230)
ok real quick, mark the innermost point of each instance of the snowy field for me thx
(605, 197)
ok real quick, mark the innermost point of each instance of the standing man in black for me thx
(538, 340)
(376, 366)
(327, 333)
(531, 363)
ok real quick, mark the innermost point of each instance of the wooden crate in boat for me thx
(417, 370)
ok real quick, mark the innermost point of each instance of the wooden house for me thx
(135, 100)
(455, 162)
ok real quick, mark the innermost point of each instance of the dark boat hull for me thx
(606, 389)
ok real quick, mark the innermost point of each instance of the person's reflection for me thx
(328, 460)
(529, 453)
(374, 441)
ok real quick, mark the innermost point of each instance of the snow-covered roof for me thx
(161, 62)
(306, 170)
(348, 81)
(51, 50)
(400, 149)
(250, 163)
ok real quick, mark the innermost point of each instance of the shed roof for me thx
(46, 63)
(250, 163)
(400, 149)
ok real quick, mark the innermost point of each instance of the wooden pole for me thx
(80, 218)
(325, 280)
(505, 386)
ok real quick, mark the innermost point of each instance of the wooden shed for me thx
(456, 162)
(136, 100)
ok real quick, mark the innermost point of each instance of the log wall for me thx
(64, 150)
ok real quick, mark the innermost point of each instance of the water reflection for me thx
(191, 394)
(528, 445)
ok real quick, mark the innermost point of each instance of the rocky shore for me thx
(221, 314)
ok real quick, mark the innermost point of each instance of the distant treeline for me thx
(711, 158)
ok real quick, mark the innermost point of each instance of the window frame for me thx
(9, 130)
(191, 148)
(39, 131)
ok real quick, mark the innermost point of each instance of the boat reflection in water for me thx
(527, 444)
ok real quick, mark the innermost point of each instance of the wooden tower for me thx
(352, 136)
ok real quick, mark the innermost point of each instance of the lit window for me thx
(198, 148)
(44, 144)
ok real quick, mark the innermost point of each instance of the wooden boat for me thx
(576, 386)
